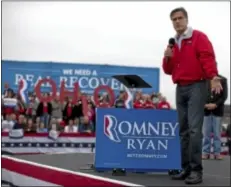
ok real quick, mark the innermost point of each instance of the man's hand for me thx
(210, 106)
(216, 84)
(168, 52)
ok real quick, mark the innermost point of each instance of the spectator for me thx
(148, 104)
(85, 125)
(37, 121)
(32, 107)
(20, 124)
(78, 108)
(120, 101)
(68, 111)
(91, 112)
(214, 111)
(138, 103)
(44, 111)
(30, 127)
(8, 92)
(7, 124)
(163, 104)
(57, 109)
(41, 128)
(20, 108)
(13, 118)
(71, 128)
(90, 100)
(155, 99)
(104, 102)
(76, 122)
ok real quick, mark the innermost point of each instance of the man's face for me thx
(179, 21)
(77, 121)
(8, 117)
(71, 122)
(13, 117)
(21, 119)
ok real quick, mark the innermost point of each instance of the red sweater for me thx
(149, 105)
(195, 60)
(104, 105)
(163, 105)
(8, 110)
(138, 104)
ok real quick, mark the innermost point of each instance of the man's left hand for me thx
(216, 84)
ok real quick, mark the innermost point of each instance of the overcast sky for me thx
(128, 33)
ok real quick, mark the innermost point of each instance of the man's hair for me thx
(180, 9)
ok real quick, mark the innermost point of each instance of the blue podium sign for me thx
(146, 140)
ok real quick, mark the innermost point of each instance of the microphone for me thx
(171, 43)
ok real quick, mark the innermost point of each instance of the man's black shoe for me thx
(181, 176)
(194, 178)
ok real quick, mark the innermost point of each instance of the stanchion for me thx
(173, 172)
(90, 166)
(118, 172)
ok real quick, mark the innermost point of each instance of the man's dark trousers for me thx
(190, 101)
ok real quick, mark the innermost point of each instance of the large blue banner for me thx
(89, 76)
(146, 140)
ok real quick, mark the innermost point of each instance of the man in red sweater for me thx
(190, 60)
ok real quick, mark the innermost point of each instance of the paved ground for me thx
(216, 173)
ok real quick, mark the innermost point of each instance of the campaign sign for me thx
(88, 76)
(144, 140)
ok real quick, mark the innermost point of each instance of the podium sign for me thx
(144, 140)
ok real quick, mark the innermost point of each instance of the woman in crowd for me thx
(68, 111)
(44, 111)
(71, 128)
(57, 108)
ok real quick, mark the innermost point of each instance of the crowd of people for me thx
(39, 117)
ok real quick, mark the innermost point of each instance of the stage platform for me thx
(216, 173)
